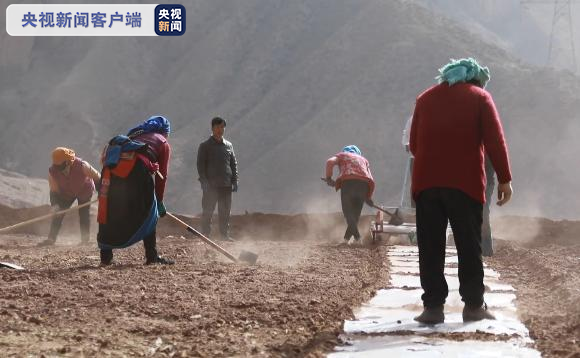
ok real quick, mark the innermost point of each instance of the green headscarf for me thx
(463, 70)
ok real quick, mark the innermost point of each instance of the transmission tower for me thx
(561, 49)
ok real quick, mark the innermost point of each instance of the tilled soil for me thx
(292, 303)
(547, 280)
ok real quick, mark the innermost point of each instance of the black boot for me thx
(471, 314)
(431, 315)
(106, 257)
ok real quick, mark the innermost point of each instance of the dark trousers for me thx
(435, 207)
(352, 197)
(223, 198)
(84, 219)
(149, 242)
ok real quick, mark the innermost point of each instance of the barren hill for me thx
(297, 80)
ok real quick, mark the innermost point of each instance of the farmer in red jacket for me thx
(356, 185)
(454, 124)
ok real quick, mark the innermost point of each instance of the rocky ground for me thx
(291, 304)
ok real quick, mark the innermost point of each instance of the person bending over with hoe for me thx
(131, 199)
(70, 179)
(356, 185)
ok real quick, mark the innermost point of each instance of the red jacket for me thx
(75, 185)
(162, 150)
(451, 127)
(351, 166)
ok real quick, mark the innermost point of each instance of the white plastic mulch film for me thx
(384, 327)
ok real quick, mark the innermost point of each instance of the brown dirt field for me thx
(541, 259)
(291, 304)
(547, 280)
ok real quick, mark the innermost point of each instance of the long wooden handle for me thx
(47, 216)
(201, 236)
(383, 210)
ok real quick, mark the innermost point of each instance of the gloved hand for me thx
(161, 209)
(235, 187)
(330, 182)
(369, 202)
(54, 198)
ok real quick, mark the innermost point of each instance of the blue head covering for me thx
(155, 124)
(463, 70)
(352, 149)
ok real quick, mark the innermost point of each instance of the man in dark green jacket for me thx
(218, 173)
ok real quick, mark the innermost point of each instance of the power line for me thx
(561, 26)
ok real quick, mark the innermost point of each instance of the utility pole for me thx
(561, 49)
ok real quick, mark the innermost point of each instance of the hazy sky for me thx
(525, 29)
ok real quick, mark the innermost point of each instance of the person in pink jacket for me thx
(356, 185)
(70, 179)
